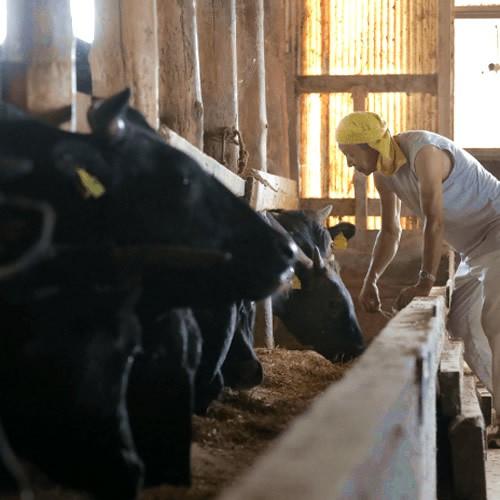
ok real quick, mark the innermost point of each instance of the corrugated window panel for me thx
(310, 147)
(341, 176)
(380, 36)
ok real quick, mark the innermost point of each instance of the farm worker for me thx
(458, 200)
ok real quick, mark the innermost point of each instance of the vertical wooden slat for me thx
(294, 12)
(252, 112)
(39, 56)
(140, 45)
(359, 96)
(217, 35)
(125, 53)
(180, 100)
(325, 98)
(16, 49)
(445, 68)
(106, 55)
(277, 89)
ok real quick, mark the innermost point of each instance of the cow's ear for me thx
(346, 228)
(106, 117)
(322, 214)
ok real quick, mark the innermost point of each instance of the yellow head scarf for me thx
(364, 127)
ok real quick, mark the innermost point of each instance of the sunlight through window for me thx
(83, 15)
(3, 20)
(477, 82)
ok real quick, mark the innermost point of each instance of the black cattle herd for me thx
(127, 285)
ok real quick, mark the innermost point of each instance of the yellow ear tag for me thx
(296, 284)
(340, 242)
(90, 184)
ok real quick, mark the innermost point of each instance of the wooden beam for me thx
(181, 107)
(277, 98)
(232, 181)
(359, 96)
(372, 83)
(347, 206)
(38, 57)
(125, 53)
(485, 154)
(267, 192)
(445, 68)
(293, 16)
(252, 111)
(217, 36)
(477, 12)
(362, 434)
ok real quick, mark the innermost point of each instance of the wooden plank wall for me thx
(131, 49)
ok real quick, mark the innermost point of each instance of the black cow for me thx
(65, 358)
(320, 312)
(147, 194)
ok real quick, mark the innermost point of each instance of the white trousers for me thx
(475, 317)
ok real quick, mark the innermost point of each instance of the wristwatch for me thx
(424, 275)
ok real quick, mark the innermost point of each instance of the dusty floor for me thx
(242, 424)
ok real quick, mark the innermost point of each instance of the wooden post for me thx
(276, 88)
(325, 99)
(217, 37)
(252, 81)
(39, 57)
(181, 107)
(293, 15)
(359, 95)
(125, 53)
(445, 68)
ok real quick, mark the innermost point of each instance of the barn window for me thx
(376, 55)
(82, 17)
(477, 74)
(3, 21)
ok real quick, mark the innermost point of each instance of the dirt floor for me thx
(242, 424)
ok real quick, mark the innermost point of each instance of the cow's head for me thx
(320, 312)
(122, 184)
(316, 307)
(307, 228)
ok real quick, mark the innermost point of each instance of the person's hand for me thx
(407, 294)
(369, 297)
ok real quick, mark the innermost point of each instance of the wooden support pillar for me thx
(293, 15)
(359, 95)
(252, 81)
(445, 68)
(125, 53)
(277, 91)
(264, 336)
(39, 58)
(181, 107)
(217, 42)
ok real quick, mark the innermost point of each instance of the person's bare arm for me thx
(431, 166)
(385, 247)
